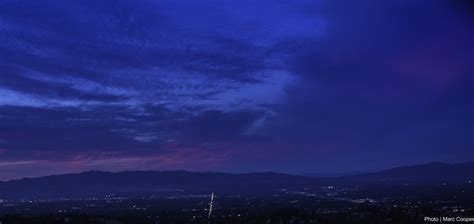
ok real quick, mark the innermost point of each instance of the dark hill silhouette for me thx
(426, 173)
(99, 183)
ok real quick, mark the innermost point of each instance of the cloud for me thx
(215, 125)
(298, 82)
(59, 133)
(355, 90)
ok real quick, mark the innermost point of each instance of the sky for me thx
(234, 86)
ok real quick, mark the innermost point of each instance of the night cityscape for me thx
(347, 201)
(226, 111)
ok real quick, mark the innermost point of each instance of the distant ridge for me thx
(430, 172)
(99, 183)
(92, 183)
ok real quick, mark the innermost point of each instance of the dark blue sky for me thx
(239, 86)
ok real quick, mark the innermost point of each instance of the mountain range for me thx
(427, 173)
(97, 183)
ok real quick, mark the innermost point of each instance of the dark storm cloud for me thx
(388, 77)
(363, 37)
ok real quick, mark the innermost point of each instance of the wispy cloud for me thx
(315, 81)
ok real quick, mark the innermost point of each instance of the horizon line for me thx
(309, 174)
